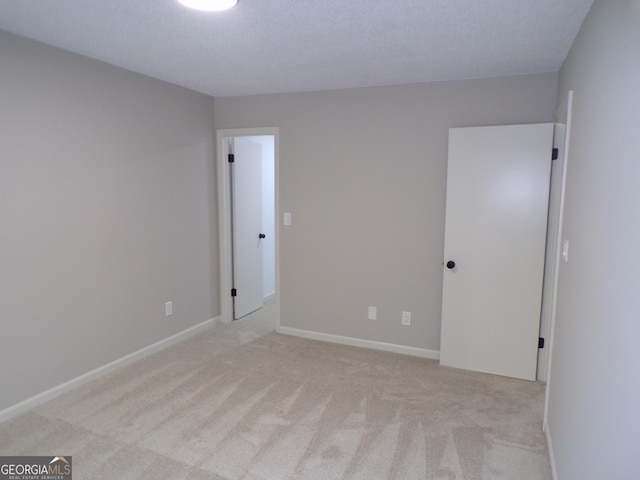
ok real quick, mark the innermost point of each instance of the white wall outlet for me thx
(406, 318)
(286, 218)
(373, 313)
(168, 309)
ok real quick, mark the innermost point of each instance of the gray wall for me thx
(107, 208)
(363, 172)
(106, 212)
(594, 396)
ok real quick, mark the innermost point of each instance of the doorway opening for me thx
(247, 166)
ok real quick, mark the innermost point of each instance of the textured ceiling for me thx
(272, 46)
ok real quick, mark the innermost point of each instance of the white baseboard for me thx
(50, 394)
(359, 342)
(552, 458)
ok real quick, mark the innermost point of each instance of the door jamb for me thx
(563, 115)
(224, 215)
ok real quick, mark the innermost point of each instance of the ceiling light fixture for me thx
(209, 5)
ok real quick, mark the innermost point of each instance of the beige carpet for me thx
(282, 407)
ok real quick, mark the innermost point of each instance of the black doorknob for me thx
(262, 235)
(451, 264)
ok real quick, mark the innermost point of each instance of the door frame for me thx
(224, 214)
(564, 117)
(561, 134)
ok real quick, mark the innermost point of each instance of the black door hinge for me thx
(554, 154)
(540, 342)
(234, 292)
(231, 158)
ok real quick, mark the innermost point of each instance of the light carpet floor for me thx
(236, 402)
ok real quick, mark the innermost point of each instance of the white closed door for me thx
(246, 183)
(495, 233)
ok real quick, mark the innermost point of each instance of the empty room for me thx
(320, 240)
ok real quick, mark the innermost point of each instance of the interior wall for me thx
(594, 386)
(106, 212)
(363, 172)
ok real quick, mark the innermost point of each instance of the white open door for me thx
(246, 191)
(496, 220)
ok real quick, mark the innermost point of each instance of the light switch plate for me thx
(287, 218)
(565, 250)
